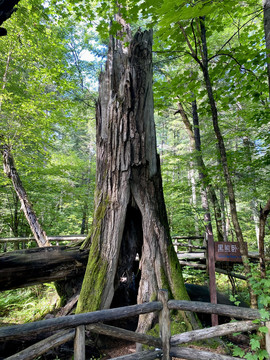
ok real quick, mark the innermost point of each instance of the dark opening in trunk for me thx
(127, 277)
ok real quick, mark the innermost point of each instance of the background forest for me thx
(50, 61)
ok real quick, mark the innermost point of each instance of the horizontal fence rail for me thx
(71, 321)
(207, 308)
(74, 326)
(50, 238)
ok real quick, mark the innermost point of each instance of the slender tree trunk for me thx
(263, 217)
(130, 216)
(224, 162)
(254, 202)
(195, 143)
(266, 13)
(193, 200)
(211, 192)
(26, 206)
(265, 211)
(223, 215)
(87, 181)
(15, 218)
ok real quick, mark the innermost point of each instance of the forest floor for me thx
(121, 348)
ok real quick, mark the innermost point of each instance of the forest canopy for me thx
(50, 62)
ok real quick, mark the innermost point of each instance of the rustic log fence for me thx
(166, 346)
(55, 240)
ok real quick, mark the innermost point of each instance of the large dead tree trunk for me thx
(130, 216)
(12, 173)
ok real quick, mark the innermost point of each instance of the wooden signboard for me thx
(228, 251)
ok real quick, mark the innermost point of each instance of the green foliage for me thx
(28, 304)
(256, 354)
(47, 101)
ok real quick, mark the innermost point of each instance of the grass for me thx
(27, 304)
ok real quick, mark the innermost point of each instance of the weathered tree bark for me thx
(263, 217)
(11, 172)
(34, 266)
(6, 10)
(130, 215)
(266, 14)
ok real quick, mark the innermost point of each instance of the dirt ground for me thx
(121, 348)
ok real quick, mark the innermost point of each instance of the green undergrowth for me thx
(27, 304)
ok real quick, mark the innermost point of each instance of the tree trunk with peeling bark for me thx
(12, 173)
(130, 215)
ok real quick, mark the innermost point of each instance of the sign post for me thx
(212, 274)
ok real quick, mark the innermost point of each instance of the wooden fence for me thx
(165, 347)
(55, 240)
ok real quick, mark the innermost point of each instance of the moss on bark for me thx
(177, 282)
(93, 283)
(96, 270)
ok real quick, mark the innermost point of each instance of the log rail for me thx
(74, 326)
(53, 239)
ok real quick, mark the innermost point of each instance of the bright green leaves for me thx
(46, 107)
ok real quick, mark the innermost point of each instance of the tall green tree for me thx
(42, 103)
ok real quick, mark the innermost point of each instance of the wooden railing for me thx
(73, 327)
(55, 240)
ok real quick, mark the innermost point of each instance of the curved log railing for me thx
(73, 327)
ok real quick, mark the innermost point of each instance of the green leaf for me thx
(237, 351)
(255, 344)
(263, 329)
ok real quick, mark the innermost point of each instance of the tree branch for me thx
(237, 32)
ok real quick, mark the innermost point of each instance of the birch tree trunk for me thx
(11, 172)
(130, 215)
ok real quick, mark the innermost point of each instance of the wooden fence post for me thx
(79, 343)
(164, 324)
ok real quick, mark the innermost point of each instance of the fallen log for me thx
(34, 266)
(39, 265)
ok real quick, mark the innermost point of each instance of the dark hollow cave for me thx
(127, 278)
